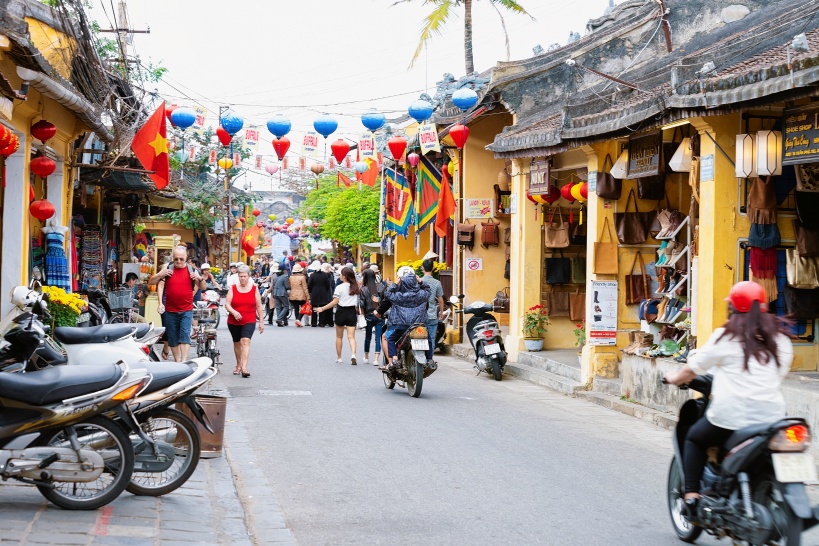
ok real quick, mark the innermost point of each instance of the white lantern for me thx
(618, 170)
(769, 153)
(681, 160)
(745, 157)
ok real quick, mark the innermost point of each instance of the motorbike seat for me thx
(141, 329)
(104, 333)
(754, 430)
(207, 321)
(55, 384)
(166, 374)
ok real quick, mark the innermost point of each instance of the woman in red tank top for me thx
(244, 307)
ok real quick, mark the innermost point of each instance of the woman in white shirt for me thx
(749, 357)
(346, 297)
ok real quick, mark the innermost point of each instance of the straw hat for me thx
(429, 256)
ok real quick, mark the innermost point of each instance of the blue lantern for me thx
(464, 98)
(278, 126)
(420, 110)
(325, 125)
(373, 120)
(231, 122)
(183, 117)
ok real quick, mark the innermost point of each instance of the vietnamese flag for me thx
(446, 206)
(370, 176)
(150, 146)
(250, 240)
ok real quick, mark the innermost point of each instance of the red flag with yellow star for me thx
(150, 146)
(250, 240)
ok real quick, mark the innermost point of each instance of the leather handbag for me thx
(501, 302)
(557, 233)
(801, 304)
(630, 225)
(608, 187)
(558, 269)
(577, 305)
(466, 234)
(560, 304)
(578, 270)
(577, 234)
(651, 187)
(801, 272)
(761, 202)
(490, 234)
(659, 219)
(605, 253)
(807, 239)
(764, 236)
(807, 203)
(637, 286)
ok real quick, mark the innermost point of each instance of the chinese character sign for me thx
(258, 164)
(212, 157)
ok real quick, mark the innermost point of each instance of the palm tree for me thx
(435, 21)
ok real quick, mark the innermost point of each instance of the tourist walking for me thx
(369, 299)
(281, 286)
(175, 290)
(320, 284)
(244, 307)
(435, 304)
(299, 294)
(346, 297)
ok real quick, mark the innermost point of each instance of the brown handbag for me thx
(657, 218)
(490, 234)
(807, 239)
(630, 225)
(762, 202)
(577, 305)
(605, 253)
(466, 234)
(651, 187)
(501, 302)
(560, 306)
(637, 286)
(557, 233)
(608, 187)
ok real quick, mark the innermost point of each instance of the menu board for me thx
(800, 139)
(539, 178)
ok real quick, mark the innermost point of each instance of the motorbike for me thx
(213, 302)
(204, 333)
(484, 335)
(440, 331)
(753, 490)
(99, 308)
(412, 361)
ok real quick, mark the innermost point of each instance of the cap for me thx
(206, 265)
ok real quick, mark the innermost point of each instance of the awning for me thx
(374, 248)
(164, 202)
(122, 180)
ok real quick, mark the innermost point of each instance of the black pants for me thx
(324, 318)
(701, 436)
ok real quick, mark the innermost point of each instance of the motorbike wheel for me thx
(106, 437)
(218, 318)
(787, 526)
(175, 428)
(388, 381)
(676, 492)
(496, 369)
(415, 375)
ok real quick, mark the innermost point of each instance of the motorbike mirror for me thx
(453, 299)
(37, 286)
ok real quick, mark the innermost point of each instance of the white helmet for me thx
(405, 270)
(205, 265)
(23, 296)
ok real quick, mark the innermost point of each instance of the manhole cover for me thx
(285, 393)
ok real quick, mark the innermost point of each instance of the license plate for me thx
(420, 344)
(492, 349)
(83, 317)
(794, 467)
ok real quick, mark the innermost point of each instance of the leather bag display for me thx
(577, 234)
(507, 236)
(651, 187)
(490, 234)
(801, 272)
(501, 302)
(761, 203)
(578, 270)
(637, 286)
(807, 239)
(577, 305)
(560, 305)
(807, 203)
(605, 252)
(557, 231)
(764, 236)
(630, 225)
(558, 269)
(466, 234)
(608, 187)
(801, 304)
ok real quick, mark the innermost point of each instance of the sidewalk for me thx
(226, 502)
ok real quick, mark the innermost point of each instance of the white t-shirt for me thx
(345, 299)
(232, 279)
(742, 398)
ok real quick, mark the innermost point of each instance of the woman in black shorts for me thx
(346, 298)
(244, 307)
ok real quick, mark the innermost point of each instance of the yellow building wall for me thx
(55, 46)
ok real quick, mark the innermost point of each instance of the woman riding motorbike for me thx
(407, 302)
(750, 357)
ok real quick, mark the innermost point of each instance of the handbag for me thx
(306, 309)
(578, 269)
(651, 187)
(507, 236)
(557, 234)
(761, 202)
(801, 272)
(605, 253)
(558, 270)
(801, 304)
(630, 226)
(577, 234)
(361, 320)
(608, 187)
(807, 240)
(490, 234)
(649, 310)
(764, 236)
(637, 286)
(466, 234)
(807, 203)
(660, 219)
(501, 302)
(560, 304)
(577, 305)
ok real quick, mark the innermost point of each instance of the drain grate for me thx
(285, 393)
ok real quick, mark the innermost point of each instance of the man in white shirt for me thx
(233, 277)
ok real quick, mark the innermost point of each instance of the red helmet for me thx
(743, 294)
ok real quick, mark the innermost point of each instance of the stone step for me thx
(659, 418)
(613, 387)
(543, 378)
(463, 351)
(542, 361)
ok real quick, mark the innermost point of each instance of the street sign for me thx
(474, 264)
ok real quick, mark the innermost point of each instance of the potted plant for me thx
(64, 307)
(535, 321)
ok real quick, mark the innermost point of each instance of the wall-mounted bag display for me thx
(637, 286)
(630, 225)
(801, 304)
(608, 187)
(558, 269)
(560, 304)
(605, 252)
(802, 272)
(466, 234)
(807, 205)
(651, 187)
(761, 202)
(490, 234)
(578, 269)
(764, 236)
(577, 234)
(577, 305)
(807, 239)
(657, 219)
(507, 236)
(557, 232)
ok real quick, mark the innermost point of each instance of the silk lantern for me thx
(413, 159)
(373, 120)
(584, 190)
(450, 168)
(289, 221)
(566, 192)
(225, 163)
(280, 146)
(464, 98)
(575, 192)
(316, 169)
(530, 197)
(397, 146)
(325, 125)
(43, 130)
(272, 217)
(553, 195)
(272, 169)
(242, 219)
(223, 136)
(42, 210)
(5, 136)
(168, 111)
(769, 153)
(278, 126)
(420, 110)
(745, 157)
(183, 117)
(231, 122)
(42, 166)
(361, 166)
(11, 147)
(316, 225)
(459, 134)
(256, 212)
(340, 149)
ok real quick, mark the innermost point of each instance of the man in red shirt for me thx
(176, 288)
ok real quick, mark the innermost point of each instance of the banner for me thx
(332, 163)
(252, 137)
(302, 163)
(428, 138)
(398, 204)
(348, 163)
(192, 153)
(310, 143)
(258, 164)
(366, 147)
(284, 163)
(212, 157)
(237, 159)
(429, 185)
(199, 124)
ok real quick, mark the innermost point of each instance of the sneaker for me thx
(338, 361)
(353, 361)
(366, 361)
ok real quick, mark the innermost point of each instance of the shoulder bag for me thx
(577, 234)
(807, 203)
(557, 233)
(801, 304)
(560, 305)
(558, 269)
(637, 286)
(466, 234)
(630, 225)
(501, 302)
(578, 269)
(577, 305)
(807, 239)
(762, 202)
(490, 234)
(801, 272)
(651, 187)
(605, 253)
(608, 187)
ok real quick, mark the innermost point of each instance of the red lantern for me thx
(5, 136)
(242, 219)
(340, 149)
(256, 212)
(584, 190)
(553, 195)
(398, 146)
(43, 130)
(316, 225)
(42, 210)
(11, 147)
(223, 136)
(530, 198)
(317, 168)
(566, 192)
(168, 111)
(280, 146)
(42, 166)
(459, 134)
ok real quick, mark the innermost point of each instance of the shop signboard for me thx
(644, 155)
(602, 313)
(366, 146)
(800, 139)
(540, 174)
(310, 143)
(428, 138)
(478, 207)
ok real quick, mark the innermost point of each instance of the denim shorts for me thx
(178, 327)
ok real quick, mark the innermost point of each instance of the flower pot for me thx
(533, 344)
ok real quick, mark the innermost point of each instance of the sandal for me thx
(166, 355)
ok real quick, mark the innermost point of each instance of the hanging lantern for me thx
(397, 146)
(231, 122)
(450, 168)
(242, 219)
(280, 146)
(540, 199)
(5, 136)
(575, 192)
(620, 167)
(340, 149)
(464, 98)
(183, 117)
(11, 147)
(373, 120)
(459, 134)
(566, 192)
(256, 212)
(769, 153)
(225, 163)
(42, 166)
(306, 221)
(361, 167)
(553, 195)
(681, 160)
(584, 190)
(169, 110)
(289, 221)
(325, 125)
(294, 235)
(530, 197)
(42, 210)
(317, 168)
(272, 217)
(43, 130)
(420, 110)
(316, 225)
(745, 157)
(413, 159)
(223, 136)
(278, 126)
(272, 169)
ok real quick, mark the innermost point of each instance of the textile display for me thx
(56, 263)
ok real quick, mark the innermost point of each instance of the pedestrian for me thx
(435, 305)
(315, 265)
(244, 307)
(265, 267)
(346, 297)
(232, 277)
(299, 294)
(369, 299)
(175, 290)
(320, 284)
(270, 306)
(281, 286)
(137, 294)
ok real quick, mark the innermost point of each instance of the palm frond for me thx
(505, 33)
(512, 6)
(433, 24)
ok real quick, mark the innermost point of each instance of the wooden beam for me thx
(111, 168)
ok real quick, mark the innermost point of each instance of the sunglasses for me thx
(179, 259)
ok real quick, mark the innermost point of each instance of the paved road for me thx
(472, 461)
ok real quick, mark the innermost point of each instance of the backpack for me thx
(190, 270)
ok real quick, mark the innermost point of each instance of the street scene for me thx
(376, 272)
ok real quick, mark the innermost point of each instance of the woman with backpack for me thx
(369, 299)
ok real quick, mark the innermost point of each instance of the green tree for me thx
(444, 10)
(352, 216)
(315, 204)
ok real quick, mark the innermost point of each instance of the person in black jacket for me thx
(407, 302)
(321, 285)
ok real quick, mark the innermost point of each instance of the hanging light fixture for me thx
(769, 153)
(745, 157)
(618, 170)
(681, 160)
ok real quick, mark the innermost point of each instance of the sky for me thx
(304, 58)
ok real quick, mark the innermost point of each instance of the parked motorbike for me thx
(754, 490)
(412, 361)
(484, 335)
(98, 306)
(440, 331)
(213, 303)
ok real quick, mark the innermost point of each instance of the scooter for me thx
(412, 361)
(484, 335)
(440, 331)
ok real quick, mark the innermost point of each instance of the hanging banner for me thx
(212, 157)
(310, 143)
(258, 164)
(348, 162)
(332, 163)
(252, 137)
(199, 124)
(192, 154)
(366, 146)
(237, 159)
(602, 313)
(284, 163)
(428, 138)
(302, 163)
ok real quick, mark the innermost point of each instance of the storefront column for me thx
(526, 271)
(15, 223)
